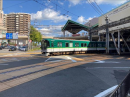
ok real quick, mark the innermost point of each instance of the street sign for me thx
(30, 41)
(9, 35)
(15, 35)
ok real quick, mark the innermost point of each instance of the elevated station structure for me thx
(111, 26)
(117, 23)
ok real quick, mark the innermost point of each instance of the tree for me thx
(35, 35)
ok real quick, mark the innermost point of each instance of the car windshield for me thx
(12, 47)
(23, 47)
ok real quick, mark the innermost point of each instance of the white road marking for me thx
(47, 59)
(106, 92)
(99, 61)
(15, 59)
(56, 61)
(107, 67)
(71, 59)
(4, 60)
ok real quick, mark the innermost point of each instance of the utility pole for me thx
(28, 35)
(107, 35)
(90, 34)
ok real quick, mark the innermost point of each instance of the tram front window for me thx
(45, 44)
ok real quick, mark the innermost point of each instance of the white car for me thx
(23, 48)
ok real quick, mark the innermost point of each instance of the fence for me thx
(123, 89)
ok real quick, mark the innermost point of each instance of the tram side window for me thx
(82, 45)
(99, 45)
(66, 44)
(103, 44)
(92, 45)
(60, 44)
(85, 45)
(76, 44)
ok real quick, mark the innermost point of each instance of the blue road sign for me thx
(15, 35)
(9, 35)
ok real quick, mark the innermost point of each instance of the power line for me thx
(98, 6)
(63, 8)
(93, 7)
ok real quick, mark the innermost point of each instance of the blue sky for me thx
(48, 14)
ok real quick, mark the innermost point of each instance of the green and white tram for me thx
(50, 46)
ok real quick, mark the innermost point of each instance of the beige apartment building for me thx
(18, 23)
(3, 29)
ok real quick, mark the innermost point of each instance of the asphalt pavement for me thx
(87, 76)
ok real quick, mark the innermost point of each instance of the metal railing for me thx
(123, 89)
(112, 24)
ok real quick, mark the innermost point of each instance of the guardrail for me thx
(123, 89)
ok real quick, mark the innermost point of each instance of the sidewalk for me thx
(16, 53)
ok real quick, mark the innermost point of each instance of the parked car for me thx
(24, 48)
(12, 48)
(0, 48)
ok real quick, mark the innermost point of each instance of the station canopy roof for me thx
(74, 27)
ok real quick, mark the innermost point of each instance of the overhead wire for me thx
(93, 6)
(98, 6)
(63, 8)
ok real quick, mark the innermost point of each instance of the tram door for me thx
(71, 47)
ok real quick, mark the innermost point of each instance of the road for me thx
(84, 75)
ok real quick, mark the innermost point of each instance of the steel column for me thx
(125, 42)
(114, 42)
(90, 36)
(64, 33)
(119, 42)
(99, 37)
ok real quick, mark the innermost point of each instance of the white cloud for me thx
(21, 6)
(75, 2)
(113, 2)
(52, 30)
(49, 14)
(61, 3)
(81, 19)
(89, 18)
